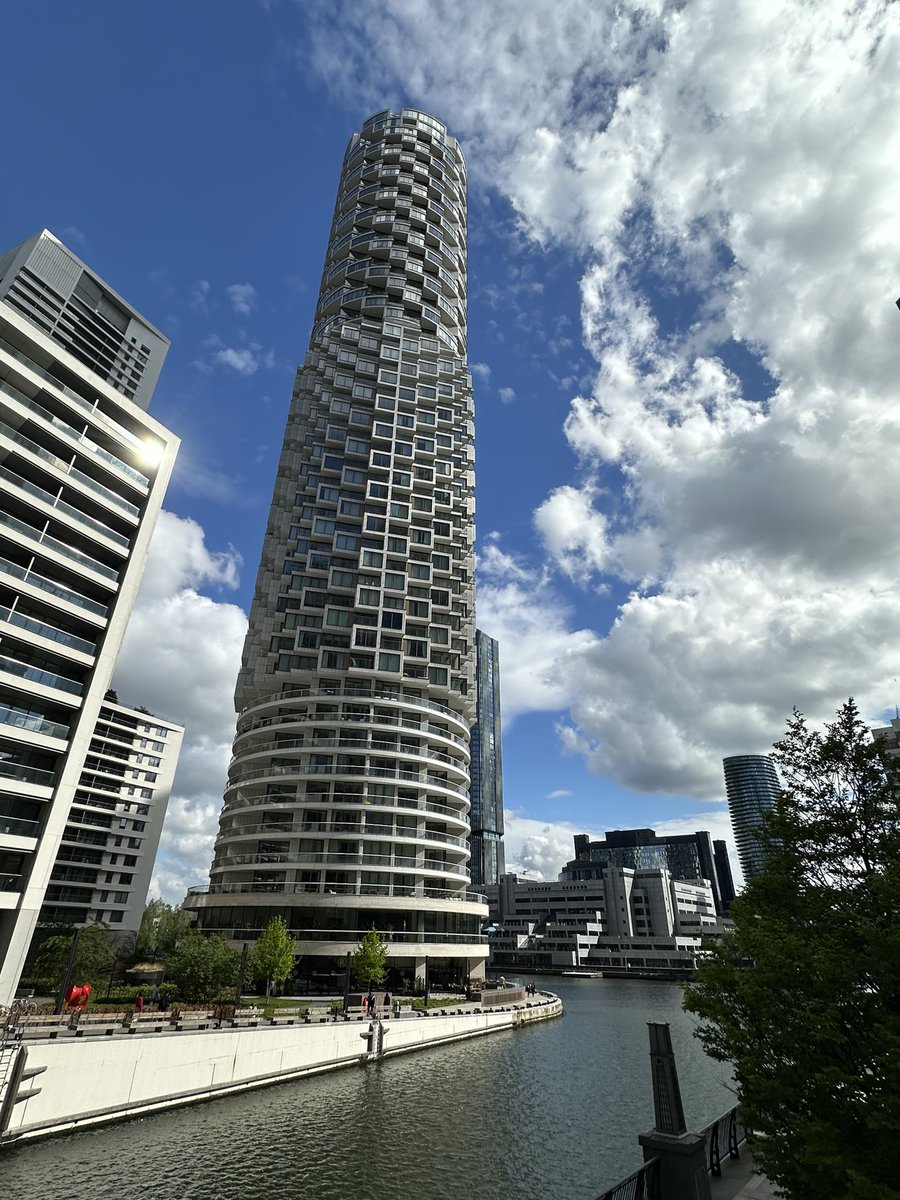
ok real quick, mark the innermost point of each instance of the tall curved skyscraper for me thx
(751, 783)
(347, 799)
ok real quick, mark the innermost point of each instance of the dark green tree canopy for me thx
(202, 967)
(804, 996)
(94, 959)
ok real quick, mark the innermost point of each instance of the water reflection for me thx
(549, 1112)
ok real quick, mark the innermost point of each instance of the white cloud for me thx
(538, 849)
(528, 618)
(481, 372)
(180, 659)
(243, 361)
(558, 794)
(243, 297)
(507, 395)
(729, 174)
(199, 295)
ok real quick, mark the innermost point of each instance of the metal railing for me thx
(725, 1134)
(642, 1185)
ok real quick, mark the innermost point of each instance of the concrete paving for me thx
(740, 1180)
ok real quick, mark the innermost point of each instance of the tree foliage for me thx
(202, 967)
(162, 926)
(804, 996)
(272, 958)
(94, 958)
(369, 961)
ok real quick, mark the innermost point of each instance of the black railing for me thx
(642, 1185)
(725, 1134)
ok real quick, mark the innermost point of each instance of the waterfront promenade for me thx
(149, 1064)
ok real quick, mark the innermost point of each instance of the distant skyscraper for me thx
(723, 874)
(487, 863)
(83, 473)
(685, 856)
(347, 803)
(751, 783)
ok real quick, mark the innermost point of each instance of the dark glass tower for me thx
(486, 841)
(347, 802)
(751, 783)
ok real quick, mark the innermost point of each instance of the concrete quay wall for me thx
(95, 1080)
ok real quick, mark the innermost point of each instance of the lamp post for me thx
(70, 969)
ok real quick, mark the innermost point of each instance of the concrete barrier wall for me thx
(98, 1079)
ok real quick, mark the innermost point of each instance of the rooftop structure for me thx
(686, 856)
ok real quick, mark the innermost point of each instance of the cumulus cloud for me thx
(243, 361)
(507, 395)
(538, 849)
(526, 615)
(199, 295)
(729, 176)
(243, 297)
(180, 658)
(481, 371)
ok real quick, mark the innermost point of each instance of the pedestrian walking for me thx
(139, 1003)
(387, 1001)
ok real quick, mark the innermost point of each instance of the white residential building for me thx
(347, 803)
(83, 470)
(108, 848)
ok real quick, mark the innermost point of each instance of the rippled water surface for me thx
(549, 1112)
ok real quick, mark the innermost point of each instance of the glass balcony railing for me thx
(69, 509)
(36, 675)
(69, 431)
(81, 401)
(63, 548)
(13, 770)
(53, 589)
(18, 826)
(20, 718)
(13, 617)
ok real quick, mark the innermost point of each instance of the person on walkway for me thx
(154, 996)
(387, 1001)
(139, 1003)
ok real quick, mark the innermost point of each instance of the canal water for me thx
(549, 1112)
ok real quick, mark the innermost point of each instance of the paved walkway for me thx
(740, 1181)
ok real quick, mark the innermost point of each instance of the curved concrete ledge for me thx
(98, 1080)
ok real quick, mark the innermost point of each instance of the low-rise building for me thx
(624, 921)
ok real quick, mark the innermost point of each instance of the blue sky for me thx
(682, 332)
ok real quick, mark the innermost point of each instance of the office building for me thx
(347, 802)
(724, 877)
(621, 921)
(108, 848)
(487, 863)
(686, 856)
(83, 472)
(751, 783)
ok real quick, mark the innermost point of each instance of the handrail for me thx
(729, 1128)
(643, 1184)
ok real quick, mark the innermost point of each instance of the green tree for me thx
(94, 959)
(272, 958)
(162, 927)
(369, 961)
(202, 967)
(803, 997)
